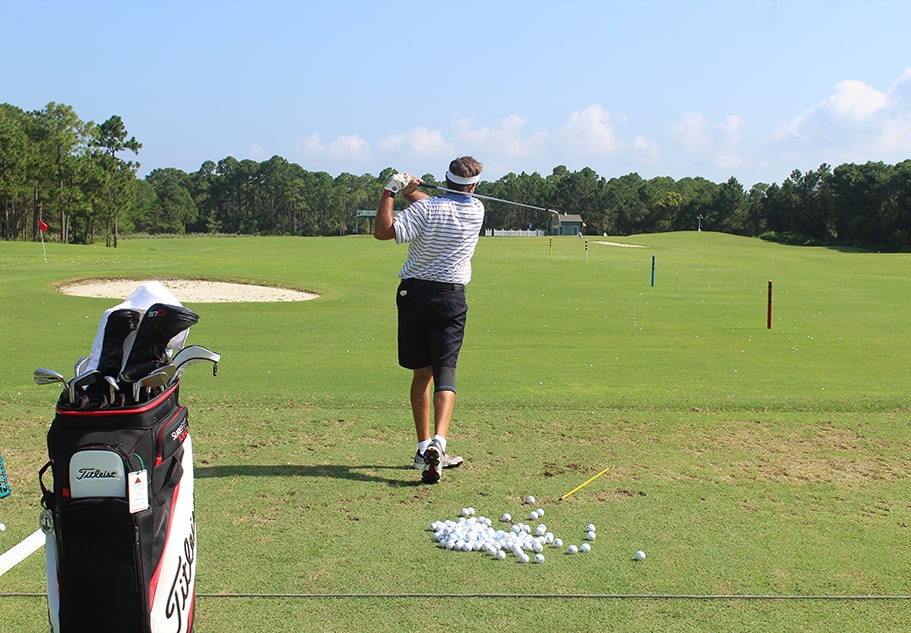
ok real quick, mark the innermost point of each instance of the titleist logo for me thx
(96, 473)
(182, 586)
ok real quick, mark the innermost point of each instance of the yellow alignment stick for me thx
(580, 487)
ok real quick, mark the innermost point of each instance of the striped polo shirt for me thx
(441, 233)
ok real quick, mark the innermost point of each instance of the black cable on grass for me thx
(544, 596)
(551, 596)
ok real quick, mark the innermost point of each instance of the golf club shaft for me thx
(491, 198)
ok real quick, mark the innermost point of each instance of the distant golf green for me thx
(766, 472)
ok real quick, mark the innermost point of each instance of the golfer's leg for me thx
(420, 401)
(443, 404)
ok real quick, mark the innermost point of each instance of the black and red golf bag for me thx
(119, 518)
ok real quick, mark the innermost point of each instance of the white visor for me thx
(462, 180)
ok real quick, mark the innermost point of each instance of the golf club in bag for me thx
(119, 514)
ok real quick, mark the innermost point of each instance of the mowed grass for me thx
(764, 471)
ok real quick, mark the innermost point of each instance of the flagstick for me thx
(43, 249)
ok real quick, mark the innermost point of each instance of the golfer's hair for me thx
(466, 166)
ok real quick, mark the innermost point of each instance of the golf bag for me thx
(119, 518)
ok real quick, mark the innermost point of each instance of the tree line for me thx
(72, 177)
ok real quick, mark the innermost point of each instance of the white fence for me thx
(509, 233)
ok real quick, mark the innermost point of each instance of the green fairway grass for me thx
(765, 472)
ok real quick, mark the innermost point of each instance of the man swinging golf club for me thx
(441, 233)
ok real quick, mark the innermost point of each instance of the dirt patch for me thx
(823, 454)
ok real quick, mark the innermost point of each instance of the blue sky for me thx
(746, 88)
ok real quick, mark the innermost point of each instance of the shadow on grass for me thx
(331, 471)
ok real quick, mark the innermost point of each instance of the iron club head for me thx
(158, 378)
(44, 376)
(88, 378)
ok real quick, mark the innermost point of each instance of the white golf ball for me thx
(558, 542)
(465, 512)
(506, 518)
(591, 536)
(585, 547)
(640, 555)
(523, 557)
(539, 558)
(2, 527)
(501, 555)
(590, 527)
(529, 500)
(572, 549)
(540, 512)
(533, 515)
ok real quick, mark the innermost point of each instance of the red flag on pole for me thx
(42, 225)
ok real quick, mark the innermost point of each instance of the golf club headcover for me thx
(159, 325)
(119, 325)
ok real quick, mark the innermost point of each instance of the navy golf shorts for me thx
(431, 323)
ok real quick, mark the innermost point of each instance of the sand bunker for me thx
(621, 245)
(188, 290)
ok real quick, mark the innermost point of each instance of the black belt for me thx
(439, 285)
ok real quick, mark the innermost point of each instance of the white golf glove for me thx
(398, 182)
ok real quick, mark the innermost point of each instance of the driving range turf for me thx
(765, 472)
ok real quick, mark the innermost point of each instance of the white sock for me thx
(422, 446)
(441, 440)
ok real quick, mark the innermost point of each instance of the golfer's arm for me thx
(382, 227)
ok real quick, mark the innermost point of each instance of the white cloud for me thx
(505, 140)
(854, 122)
(854, 100)
(419, 141)
(706, 144)
(349, 146)
(899, 95)
(719, 141)
(850, 115)
(730, 129)
(310, 144)
(590, 133)
(427, 142)
(647, 149)
(692, 132)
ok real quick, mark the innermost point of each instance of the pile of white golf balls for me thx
(471, 533)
